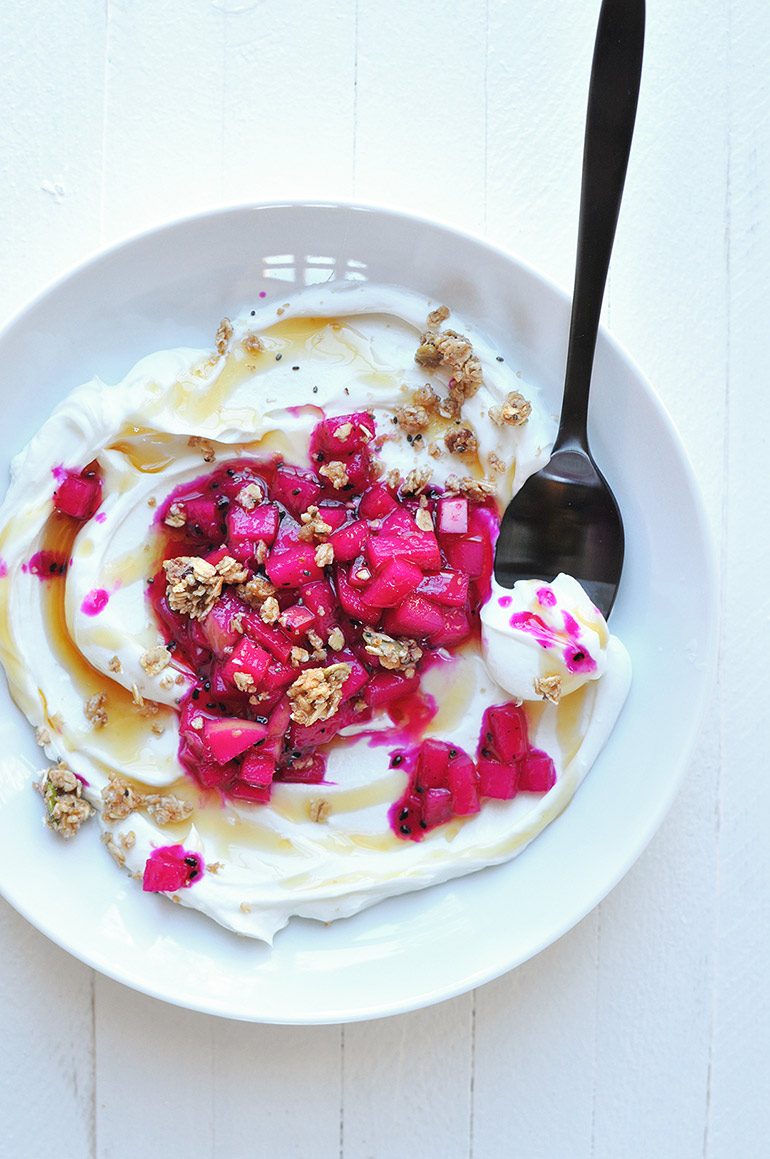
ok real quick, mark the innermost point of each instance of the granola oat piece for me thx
(412, 419)
(142, 706)
(94, 711)
(249, 496)
(336, 640)
(42, 737)
(394, 653)
(423, 519)
(65, 806)
(549, 687)
(244, 682)
(478, 489)
(127, 840)
(316, 693)
(114, 664)
(313, 526)
(453, 350)
(176, 516)
(426, 397)
(449, 408)
(119, 799)
(260, 555)
(496, 464)
(318, 810)
(343, 431)
(513, 413)
(193, 585)
(155, 660)
(205, 446)
(324, 555)
(255, 591)
(168, 809)
(231, 571)
(270, 610)
(416, 481)
(298, 656)
(435, 451)
(253, 344)
(336, 474)
(437, 316)
(461, 441)
(224, 335)
(113, 848)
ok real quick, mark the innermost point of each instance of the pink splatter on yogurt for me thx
(95, 602)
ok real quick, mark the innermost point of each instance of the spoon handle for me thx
(612, 100)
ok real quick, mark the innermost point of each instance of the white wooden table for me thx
(645, 1030)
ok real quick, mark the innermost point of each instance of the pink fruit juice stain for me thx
(46, 564)
(95, 602)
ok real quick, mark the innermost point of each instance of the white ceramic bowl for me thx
(169, 287)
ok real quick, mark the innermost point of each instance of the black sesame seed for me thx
(207, 685)
(192, 862)
(171, 646)
(295, 368)
(223, 502)
(295, 491)
(397, 760)
(315, 390)
(231, 472)
(211, 705)
(54, 567)
(489, 736)
(319, 457)
(486, 754)
(253, 312)
(452, 754)
(423, 824)
(215, 486)
(500, 358)
(395, 419)
(403, 815)
(196, 693)
(578, 657)
(405, 829)
(278, 357)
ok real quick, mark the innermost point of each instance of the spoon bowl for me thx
(565, 517)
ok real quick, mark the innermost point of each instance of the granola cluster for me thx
(194, 585)
(65, 806)
(316, 694)
(120, 798)
(396, 654)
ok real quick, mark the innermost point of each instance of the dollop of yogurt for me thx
(543, 638)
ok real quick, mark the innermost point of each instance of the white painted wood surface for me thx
(645, 1030)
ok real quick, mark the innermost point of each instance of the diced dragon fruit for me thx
(497, 780)
(204, 519)
(344, 434)
(453, 515)
(399, 523)
(334, 515)
(504, 732)
(433, 764)
(261, 523)
(78, 494)
(214, 776)
(277, 675)
(348, 541)
(415, 617)
(246, 659)
(294, 567)
(436, 807)
(421, 549)
(305, 771)
(241, 790)
(218, 625)
(257, 768)
(395, 580)
(376, 502)
(270, 636)
(228, 737)
(170, 868)
(320, 598)
(537, 773)
(358, 470)
(455, 628)
(384, 687)
(466, 554)
(295, 489)
(351, 602)
(358, 674)
(462, 779)
(308, 736)
(297, 620)
(445, 587)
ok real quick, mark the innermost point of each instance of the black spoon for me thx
(565, 517)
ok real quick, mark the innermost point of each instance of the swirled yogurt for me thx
(79, 638)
